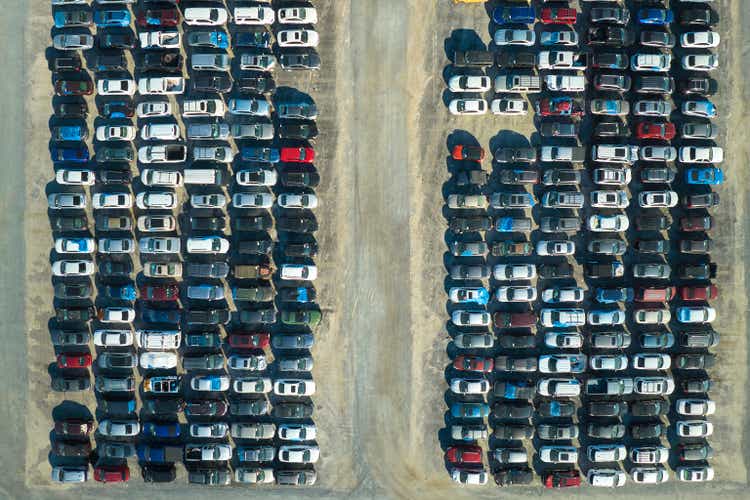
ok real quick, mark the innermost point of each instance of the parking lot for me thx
(383, 405)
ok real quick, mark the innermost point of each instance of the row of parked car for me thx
(268, 410)
(517, 77)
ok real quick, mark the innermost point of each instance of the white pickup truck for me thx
(561, 59)
(161, 85)
(203, 107)
(207, 452)
(162, 153)
(159, 39)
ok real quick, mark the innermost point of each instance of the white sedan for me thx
(694, 428)
(510, 272)
(72, 268)
(299, 272)
(297, 38)
(657, 199)
(467, 83)
(299, 454)
(156, 200)
(608, 362)
(509, 106)
(695, 407)
(555, 247)
(252, 200)
(609, 199)
(470, 386)
(606, 478)
(701, 154)
(115, 133)
(651, 361)
(600, 317)
(75, 245)
(468, 107)
(252, 385)
(515, 37)
(700, 62)
(697, 474)
(562, 363)
(297, 15)
(699, 40)
(153, 109)
(117, 315)
(469, 476)
(462, 317)
(562, 294)
(293, 387)
(301, 201)
(75, 177)
(112, 201)
(516, 294)
(124, 86)
(608, 223)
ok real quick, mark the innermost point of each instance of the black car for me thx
(660, 39)
(162, 406)
(293, 410)
(258, 317)
(558, 129)
(605, 431)
(508, 341)
(654, 85)
(113, 153)
(519, 177)
(694, 361)
(207, 223)
(207, 317)
(117, 407)
(698, 385)
(170, 62)
(513, 410)
(516, 59)
(555, 271)
(702, 247)
(474, 177)
(63, 384)
(609, 60)
(699, 339)
(294, 294)
(651, 246)
(697, 17)
(309, 60)
(556, 408)
(606, 409)
(253, 223)
(72, 448)
(212, 82)
(513, 364)
(694, 452)
(650, 430)
(299, 177)
(697, 271)
(115, 269)
(218, 476)
(78, 109)
(209, 340)
(67, 63)
(657, 175)
(515, 475)
(116, 40)
(70, 223)
(469, 224)
(255, 84)
(299, 224)
(72, 290)
(158, 473)
(206, 408)
(611, 129)
(255, 39)
(695, 85)
(611, 36)
(249, 408)
(121, 108)
(649, 408)
(513, 431)
(82, 314)
(302, 130)
(114, 177)
(652, 223)
(256, 247)
(300, 248)
(596, 270)
(111, 61)
(70, 338)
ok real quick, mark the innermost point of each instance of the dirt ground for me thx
(380, 356)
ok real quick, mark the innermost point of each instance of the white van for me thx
(565, 83)
(559, 387)
(167, 178)
(158, 339)
(257, 16)
(203, 176)
(209, 62)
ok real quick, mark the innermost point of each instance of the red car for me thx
(664, 131)
(73, 87)
(654, 294)
(702, 292)
(163, 293)
(692, 224)
(559, 106)
(298, 155)
(464, 455)
(468, 363)
(562, 479)
(74, 427)
(112, 473)
(249, 340)
(158, 17)
(82, 360)
(514, 320)
(558, 15)
(466, 152)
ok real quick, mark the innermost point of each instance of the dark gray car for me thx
(507, 155)
(292, 341)
(217, 270)
(206, 362)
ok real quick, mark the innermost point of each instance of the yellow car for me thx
(469, 1)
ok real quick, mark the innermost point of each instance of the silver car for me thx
(249, 106)
(259, 131)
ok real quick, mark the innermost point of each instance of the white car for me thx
(467, 294)
(516, 294)
(158, 360)
(468, 83)
(696, 474)
(113, 338)
(701, 314)
(102, 201)
(694, 428)
(299, 454)
(470, 386)
(167, 178)
(117, 315)
(657, 199)
(75, 177)
(562, 294)
(463, 317)
(207, 244)
(299, 201)
(159, 39)
(297, 38)
(469, 476)
(701, 108)
(300, 272)
(608, 362)
(657, 108)
(699, 40)
(256, 16)
(606, 478)
(652, 316)
(649, 475)
(252, 200)
(160, 131)
(158, 244)
(559, 387)
(208, 201)
(562, 363)
(124, 86)
(612, 176)
(608, 223)
(255, 362)
(514, 37)
(205, 16)
(651, 62)
(297, 432)
(558, 454)
(156, 200)
(75, 245)
(73, 41)
(598, 453)
(203, 107)
(512, 272)
(649, 455)
(116, 245)
(115, 133)
(695, 407)
(468, 107)
(205, 383)
(555, 247)
(509, 106)
(566, 38)
(153, 109)
(651, 361)
(293, 387)
(609, 199)
(658, 153)
(700, 62)
(65, 268)
(563, 340)
(297, 15)
(656, 386)
(701, 154)
(252, 385)
(209, 430)
(601, 317)
(257, 176)
(119, 428)
(562, 318)
(615, 153)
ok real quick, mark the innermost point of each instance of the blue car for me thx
(112, 18)
(162, 429)
(72, 18)
(558, 38)
(469, 410)
(710, 176)
(613, 295)
(121, 292)
(514, 390)
(254, 39)
(655, 17)
(74, 155)
(268, 155)
(509, 15)
(470, 295)
(167, 316)
(70, 133)
(611, 107)
(117, 109)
